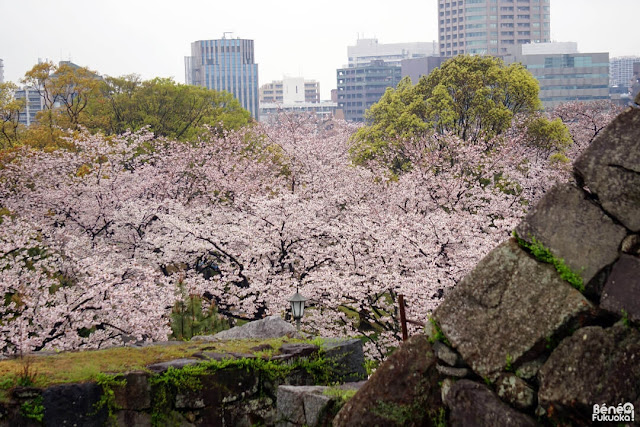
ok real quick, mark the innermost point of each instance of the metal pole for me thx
(403, 319)
(298, 324)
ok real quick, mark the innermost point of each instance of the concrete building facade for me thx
(566, 77)
(290, 90)
(367, 50)
(491, 27)
(621, 71)
(324, 110)
(1, 71)
(361, 86)
(225, 64)
(418, 67)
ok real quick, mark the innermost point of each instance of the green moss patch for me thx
(83, 366)
(544, 254)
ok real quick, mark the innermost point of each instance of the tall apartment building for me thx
(621, 71)
(34, 103)
(225, 64)
(491, 27)
(367, 50)
(290, 90)
(361, 86)
(1, 71)
(565, 76)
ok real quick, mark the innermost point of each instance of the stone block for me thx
(349, 357)
(269, 327)
(574, 229)
(593, 366)
(610, 168)
(136, 393)
(515, 391)
(473, 404)
(622, 289)
(405, 384)
(73, 404)
(506, 308)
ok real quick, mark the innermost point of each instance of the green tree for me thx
(549, 136)
(470, 96)
(10, 108)
(66, 91)
(168, 108)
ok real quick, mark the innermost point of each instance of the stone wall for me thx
(545, 329)
(210, 389)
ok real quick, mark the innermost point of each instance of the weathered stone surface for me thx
(133, 419)
(315, 406)
(529, 369)
(299, 349)
(505, 308)
(574, 229)
(622, 289)
(445, 354)
(406, 383)
(302, 405)
(473, 404)
(515, 391)
(631, 245)
(208, 355)
(594, 365)
(23, 393)
(176, 364)
(269, 327)
(450, 371)
(136, 393)
(73, 404)
(261, 347)
(610, 168)
(349, 357)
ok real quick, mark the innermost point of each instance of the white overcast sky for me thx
(292, 37)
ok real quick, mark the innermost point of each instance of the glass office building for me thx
(226, 64)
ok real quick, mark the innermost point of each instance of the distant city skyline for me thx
(151, 38)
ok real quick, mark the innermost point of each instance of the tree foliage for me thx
(10, 108)
(471, 97)
(169, 109)
(76, 97)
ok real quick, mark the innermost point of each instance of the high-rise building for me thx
(564, 74)
(33, 104)
(362, 86)
(226, 64)
(290, 90)
(621, 71)
(1, 71)
(491, 27)
(367, 50)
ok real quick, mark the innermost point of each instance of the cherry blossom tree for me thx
(99, 241)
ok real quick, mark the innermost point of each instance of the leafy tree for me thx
(66, 91)
(76, 97)
(169, 109)
(9, 115)
(471, 97)
(549, 136)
